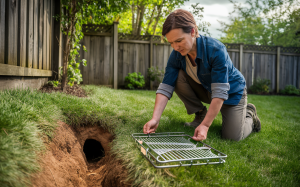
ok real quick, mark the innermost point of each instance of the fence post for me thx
(241, 57)
(277, 69)
(115, 39)
(151, 58)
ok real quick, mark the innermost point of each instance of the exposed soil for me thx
(65, 163)
(75, 90)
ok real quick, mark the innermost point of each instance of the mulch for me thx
(75, 90)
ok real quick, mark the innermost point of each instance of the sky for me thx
(214, 10)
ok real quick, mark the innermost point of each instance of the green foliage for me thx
(75, 14)
(53, 83)
(155, 74)
(147, 16)
(202, 25)
(134, 80)
(260, 86)
(264, 22)
(290, 90)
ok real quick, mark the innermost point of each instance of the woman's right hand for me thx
(150, 126)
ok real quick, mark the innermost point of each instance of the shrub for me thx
(134, 80)
(155, 74)
(260, 86)
(290, 90)
(53, 83)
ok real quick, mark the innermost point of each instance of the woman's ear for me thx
(193, 33)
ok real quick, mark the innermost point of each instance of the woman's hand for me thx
(200, 133)
(150, 126)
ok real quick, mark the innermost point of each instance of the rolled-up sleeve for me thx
(171, 73)
(219, 74)
(220, 90)
(166, 90)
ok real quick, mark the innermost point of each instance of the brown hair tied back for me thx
(180, 19)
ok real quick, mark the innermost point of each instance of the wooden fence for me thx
(26, 37)
(138, 53)
(134, 54)
(281, 65)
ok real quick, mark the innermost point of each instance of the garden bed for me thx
(80, 156)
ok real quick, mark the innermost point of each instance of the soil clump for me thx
(75, 90)
(65, 163)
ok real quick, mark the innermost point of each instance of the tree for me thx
(147, 16)
(263, 22)
(197, 13)
(74, 13)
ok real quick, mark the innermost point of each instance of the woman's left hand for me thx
(200, 133)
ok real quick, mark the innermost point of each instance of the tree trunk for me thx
(151, 19)
(137, 19)
(141, 17)
(133, 19)
(158, 16)
(68, 44)
(65, 63)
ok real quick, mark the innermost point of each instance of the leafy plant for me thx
(134, 80)
(53, 83)
(260, 86)
(290, 90)
(74, 14)
(155, 74)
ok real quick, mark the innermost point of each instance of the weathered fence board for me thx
(30, 35)
(45, 35)
(35, 35)
(48, 22)
(23, 33)
(108, 63)
(41, 31)
(12, 53)
(2, 31)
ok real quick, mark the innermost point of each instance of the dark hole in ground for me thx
(93, 150)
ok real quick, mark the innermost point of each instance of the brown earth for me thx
(75, 90)
(65, 164)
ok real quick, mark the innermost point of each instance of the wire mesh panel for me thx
(174, 149)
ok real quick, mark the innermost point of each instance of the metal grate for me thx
(174, 149)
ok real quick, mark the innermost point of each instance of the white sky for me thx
(214, 10)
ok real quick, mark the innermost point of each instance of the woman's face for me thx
(181, 41)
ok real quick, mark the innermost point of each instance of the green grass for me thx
(268, 158)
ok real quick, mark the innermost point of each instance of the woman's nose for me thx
(175, 46)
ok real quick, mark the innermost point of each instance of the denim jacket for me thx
(214, 70)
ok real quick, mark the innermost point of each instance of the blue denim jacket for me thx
(214, 69)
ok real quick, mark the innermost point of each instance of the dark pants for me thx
(237, 123)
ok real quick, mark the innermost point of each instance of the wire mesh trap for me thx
(174, 149)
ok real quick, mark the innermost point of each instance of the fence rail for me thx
(138, 53)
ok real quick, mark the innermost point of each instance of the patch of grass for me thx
(268, 158)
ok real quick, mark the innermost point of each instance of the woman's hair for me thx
(180, 19)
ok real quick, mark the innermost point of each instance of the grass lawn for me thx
(268, 158)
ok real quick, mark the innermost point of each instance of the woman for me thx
(200, 70)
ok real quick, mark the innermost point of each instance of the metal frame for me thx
(174, 149)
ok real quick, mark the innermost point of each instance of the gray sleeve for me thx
(166, 90)
(220, 90)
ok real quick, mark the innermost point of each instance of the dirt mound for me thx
(65, 162)
(75, 90)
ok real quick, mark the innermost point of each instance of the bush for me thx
(53, 83)
(290, 90)
(260, 86)
(155, 74)
(134, 80)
